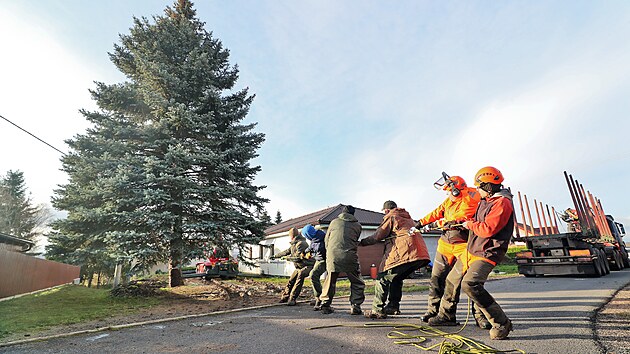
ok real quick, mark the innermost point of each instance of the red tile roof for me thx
(324, 217)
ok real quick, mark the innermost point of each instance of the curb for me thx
(137, 324)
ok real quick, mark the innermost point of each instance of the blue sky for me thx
(362, 101)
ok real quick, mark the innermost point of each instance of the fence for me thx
(21, 274)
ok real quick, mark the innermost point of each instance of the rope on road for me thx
(453, 343)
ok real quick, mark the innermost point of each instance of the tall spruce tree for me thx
(165, 174)
(18, 215)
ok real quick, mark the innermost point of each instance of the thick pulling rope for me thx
(453, 343)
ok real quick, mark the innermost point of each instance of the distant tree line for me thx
(19, 216)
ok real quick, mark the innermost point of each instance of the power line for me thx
(27, 132)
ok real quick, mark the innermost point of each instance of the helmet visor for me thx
(442, 182)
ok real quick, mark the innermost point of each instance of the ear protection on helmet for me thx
(453, 184)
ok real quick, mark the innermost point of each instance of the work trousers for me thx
(472, 284)
(296, 281)
(441, 269)
(389, 285)
(316, 274)
(357, 288)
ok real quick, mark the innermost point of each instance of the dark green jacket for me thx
(342, 240)
(297, 250)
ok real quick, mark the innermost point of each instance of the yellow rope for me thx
(453, 343)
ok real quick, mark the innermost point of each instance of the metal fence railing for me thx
(20, 274)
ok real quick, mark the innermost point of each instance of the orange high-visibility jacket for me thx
(462, 209)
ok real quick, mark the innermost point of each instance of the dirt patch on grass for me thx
(198, 296)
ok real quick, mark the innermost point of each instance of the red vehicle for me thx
(218, 265)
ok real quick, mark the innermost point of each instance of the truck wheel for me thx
(620, 264)
(626, 261)
(605, 264)
(597, 264)
(615, 258)
(615, 261)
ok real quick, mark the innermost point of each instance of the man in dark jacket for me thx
(303, 266)
(405, 252)
(317, 250)
(342, 241)
(491, 230)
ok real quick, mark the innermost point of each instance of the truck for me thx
(592, 246)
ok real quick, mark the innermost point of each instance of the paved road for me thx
(551, 315)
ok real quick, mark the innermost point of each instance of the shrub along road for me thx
(549, 315)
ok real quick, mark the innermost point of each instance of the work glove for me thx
(449, 225)
(453, 225)
(433, 225)
(418, 225)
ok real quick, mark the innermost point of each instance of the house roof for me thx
(12, 240)
(325, 216)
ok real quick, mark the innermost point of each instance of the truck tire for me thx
(605, 263)
(620, 264)
(616, 259)
(598, 265)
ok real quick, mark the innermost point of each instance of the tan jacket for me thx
(400, 247)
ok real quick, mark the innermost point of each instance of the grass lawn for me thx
(64, 305)
(509, 266)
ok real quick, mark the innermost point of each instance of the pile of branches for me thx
(141, 287)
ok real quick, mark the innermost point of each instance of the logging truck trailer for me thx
(593, 244)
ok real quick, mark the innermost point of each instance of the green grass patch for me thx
(513, 250)
(64, 305)
(506, 268)
(508, 265)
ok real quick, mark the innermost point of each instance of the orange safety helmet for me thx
(488, 174)
(455, 182)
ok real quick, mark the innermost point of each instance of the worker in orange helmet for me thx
(459, 206)
(491, 230)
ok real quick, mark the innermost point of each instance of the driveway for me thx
(550, 315)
